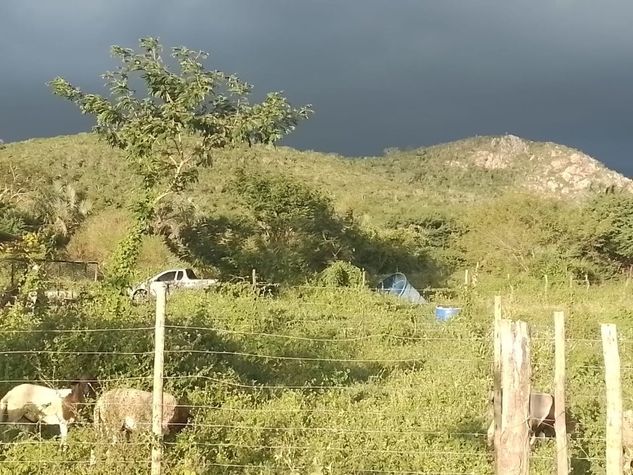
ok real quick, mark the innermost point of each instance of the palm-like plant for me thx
(63, 209)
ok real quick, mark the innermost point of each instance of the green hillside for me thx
(326, 376)
(465, 171)
(428, 212)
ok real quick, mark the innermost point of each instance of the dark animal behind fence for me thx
(542, 417)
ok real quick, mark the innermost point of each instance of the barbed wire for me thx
(324, 339)
(329, 448)
(356, 470)
(76, 330)
(77, 353)
(453, 337)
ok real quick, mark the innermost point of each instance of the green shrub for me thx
(341, 274)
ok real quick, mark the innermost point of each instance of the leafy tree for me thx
(611, 226)
(169, 134)
(520, 233)
(297, 229)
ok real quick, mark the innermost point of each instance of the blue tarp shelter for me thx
(398, 285)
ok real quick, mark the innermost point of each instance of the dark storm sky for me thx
(379, 73)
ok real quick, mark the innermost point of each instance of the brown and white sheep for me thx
(32, 403)
(130, 410)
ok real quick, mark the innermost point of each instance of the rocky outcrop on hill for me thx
(539, 166)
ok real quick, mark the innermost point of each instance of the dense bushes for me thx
(610, 216)
(535, 236)
(346, 380)
(289, 232)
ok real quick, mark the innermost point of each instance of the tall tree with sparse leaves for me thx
(169, 130)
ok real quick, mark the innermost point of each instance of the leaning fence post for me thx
(157, 398)
(513, 456)
(497, 374)
(560, 425)
(612, 381)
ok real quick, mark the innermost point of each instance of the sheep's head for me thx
(86, 386)
(182, 416)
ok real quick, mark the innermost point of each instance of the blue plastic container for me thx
(398, 285)
(443, 314)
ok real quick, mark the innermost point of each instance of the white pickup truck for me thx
(174, 279)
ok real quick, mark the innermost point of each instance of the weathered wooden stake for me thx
(466, 278)
(157, 396)
(364, 279)
(546, 283)
(560, 425)
(513, 455)
(614, 399)
(254, 278)
(497, 373)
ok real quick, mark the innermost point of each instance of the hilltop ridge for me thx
(542, 167)
(463, 171)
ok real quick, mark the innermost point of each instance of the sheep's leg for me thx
(627, 462)
(63, 432)
(491, 434)
(533, 437)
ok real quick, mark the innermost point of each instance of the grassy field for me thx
(318, 380)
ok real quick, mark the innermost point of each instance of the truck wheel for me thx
(139, 295)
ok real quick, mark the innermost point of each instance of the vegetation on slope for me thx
(385, 221)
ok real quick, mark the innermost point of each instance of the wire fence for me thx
(351, 399)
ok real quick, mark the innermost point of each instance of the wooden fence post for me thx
(497, 374)
(513, 456)
(612, 381)
(560, 424)
(157, 393)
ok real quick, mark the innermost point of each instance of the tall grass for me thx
(319, 380)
